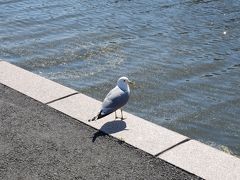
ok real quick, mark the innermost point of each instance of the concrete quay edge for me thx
(133, 130)
(203, 160)
(190, 155)
(32, 85)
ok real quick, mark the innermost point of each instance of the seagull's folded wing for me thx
(114, 100)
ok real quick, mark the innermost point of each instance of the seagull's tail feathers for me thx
(99, 116)
(93, 119)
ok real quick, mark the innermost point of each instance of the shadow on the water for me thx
(110, 128)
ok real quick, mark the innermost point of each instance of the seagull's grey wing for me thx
(114, 100)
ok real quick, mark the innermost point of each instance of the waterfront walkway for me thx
(38, 142)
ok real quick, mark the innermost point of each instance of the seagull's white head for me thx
(122, 83)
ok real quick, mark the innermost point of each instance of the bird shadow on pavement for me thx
(110, 128)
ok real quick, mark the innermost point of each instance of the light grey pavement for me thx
(38, 142)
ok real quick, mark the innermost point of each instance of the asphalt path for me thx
(38, 142)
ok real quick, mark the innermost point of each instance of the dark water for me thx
(183, 55)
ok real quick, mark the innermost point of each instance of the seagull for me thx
(115, 99)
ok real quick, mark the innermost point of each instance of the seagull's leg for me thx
(122, 118)
(121, 114)
(115, 115)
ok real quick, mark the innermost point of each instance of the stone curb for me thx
(32, 85)
(190, 155)
(133, 130)
(204, 161)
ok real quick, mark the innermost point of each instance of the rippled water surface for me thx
(183, 55)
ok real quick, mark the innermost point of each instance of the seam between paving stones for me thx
(63, 97)
(58, 99)
(173, 146)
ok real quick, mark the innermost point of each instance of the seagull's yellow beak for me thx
(131, 83)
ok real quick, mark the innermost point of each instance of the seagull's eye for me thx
(124, 80)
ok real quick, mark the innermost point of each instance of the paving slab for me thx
(31, 84)
(203, 160)
(133, 130)
(39, 142)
